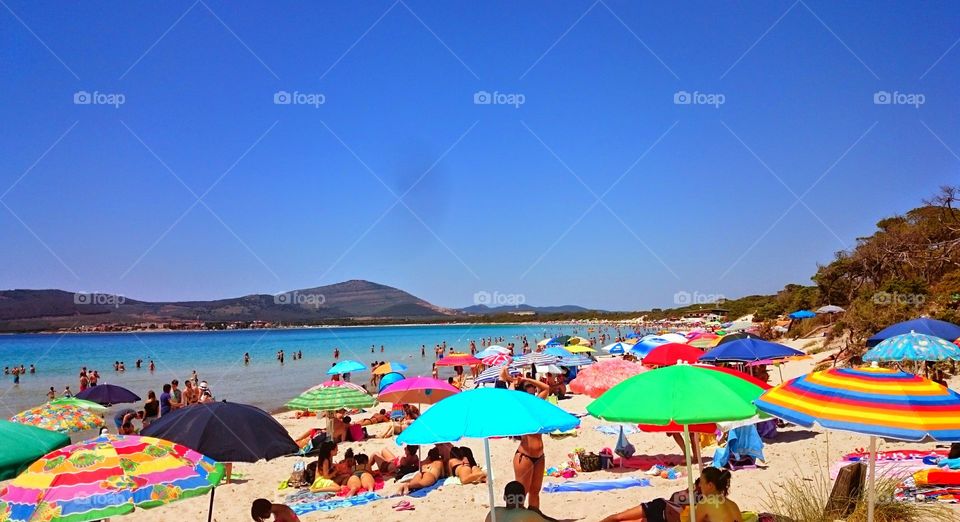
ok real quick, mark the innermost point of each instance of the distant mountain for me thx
(488, 310)
(356, 299)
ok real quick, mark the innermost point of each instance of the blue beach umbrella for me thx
(558, 351)
(802, 314)
(748, 350)
(647, 344)
(617, 348)
(913, 347)
(924, 325)
(483, 413)
(346, 367)
(575, 360)
(389, 379)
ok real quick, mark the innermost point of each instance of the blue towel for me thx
(611, 429)
(422, 492)
(741, 442)
(329, 505)
(596, 485)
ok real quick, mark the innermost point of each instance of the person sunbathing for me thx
(390, 464)
(712, 503)
(361, 476)
(430, 473)
(463, 466)
(322, 472)
(514, 495)
(376, 418)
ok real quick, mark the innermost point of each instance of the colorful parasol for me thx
(390, 367)
(106, 477)
(22, 445)
(600, 377)
(578, 340)
(558, 351)
(419, 390)
(332, 395)
(534, 358)
(496, 359)
(59, 418)
(578, 348)
(80, 403)
(458, 359)
(913, 346)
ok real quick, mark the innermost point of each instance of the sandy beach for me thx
(796, 450)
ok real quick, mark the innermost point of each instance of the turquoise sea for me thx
(218, 357)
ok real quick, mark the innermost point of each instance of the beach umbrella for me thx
(646, 344)
(747, 350)
(389, 379)
(704, 342)
(549, 368)
(107, 477)
(347, 366)
(535, 358)
(496, 359)
(79, 403)
(23, 445)
(549, 340)
(578, 340)
(458, 359)
(108, 394)
(729, 338)
(492, 374)
(674, 337)
(830, 309)
(390, 367)
(924, 325)
(419, 390)
(600, 377)
(558, 351)
(617, 348)
(490, 350)
(802, 314)
(578, 348)
(59, 418)
(483, 413)
(561, 340)
(873, 401)
(331, 396)
(672, 353)
(674, 394)
(575, 360)
(913, 347)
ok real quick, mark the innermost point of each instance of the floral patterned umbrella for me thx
(59, 417)
(106, 477)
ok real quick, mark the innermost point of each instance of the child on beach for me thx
(263, 510)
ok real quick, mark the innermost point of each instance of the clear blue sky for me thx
(503, 199)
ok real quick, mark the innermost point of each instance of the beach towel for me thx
(613, 429)
(646, 462)
(743, 444)
(422, 492)
(595, 485)
(329, 505)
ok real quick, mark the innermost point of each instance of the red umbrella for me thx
(671, 353)
(458, 359)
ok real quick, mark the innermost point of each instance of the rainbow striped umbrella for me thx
(59, 417)
(106, 477)
(873, 401)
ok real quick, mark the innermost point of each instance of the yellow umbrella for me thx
(389, 367)
(578, 348)
(577, 340)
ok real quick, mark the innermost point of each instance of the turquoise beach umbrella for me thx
(346, 367)
(389, 379)
(483, 413)
(913, 346)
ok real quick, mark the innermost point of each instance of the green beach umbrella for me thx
(681, 394)
(23, 445)
(79, 403)
(332, 395)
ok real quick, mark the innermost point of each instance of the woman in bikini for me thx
(390, 464)
(464, 466)
(361, 476)
(529, 462)
(430, 473)
(322, 474)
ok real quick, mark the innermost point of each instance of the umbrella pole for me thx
(493, 510)
(871, 477)
(696, 444)
(210, 511)
(692, 498)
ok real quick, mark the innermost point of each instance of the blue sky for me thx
(598, 189)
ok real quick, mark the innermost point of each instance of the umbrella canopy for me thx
(672, 353)
(225, 431)
(496, 359)
(746, 350)
(924, 325)
(558, 351)
(347, 366)
(106, 477)
(534, 358)
(575, 360)
(108, 394)
(578, 340)
(390, 367)
(418, 390)
(830, 309)
(913, 347)
(802, 314)
(79, 403)
(458, 359)
(578, 348)
(617, 348)
(561, 340)
(674, 337)
(389, 379)
(600, 377)
(704, 342)
(549, 340)
(332, 396)
(646, 344)
(729, 338)
(23, 445)
(492, 374)
(490, 350)
(59, 418)
(486, 412)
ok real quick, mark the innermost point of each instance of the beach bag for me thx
(355, 433)
(298, 475)
(624, 448)
(589, 462)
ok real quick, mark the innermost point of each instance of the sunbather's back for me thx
(516, 515)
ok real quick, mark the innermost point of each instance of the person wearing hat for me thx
(205, 394)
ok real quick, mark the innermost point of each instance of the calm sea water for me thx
(218, 358)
